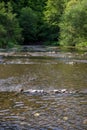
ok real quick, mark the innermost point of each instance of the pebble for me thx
(55, 91)
(36, 114)
(85, 122)
(65, 118)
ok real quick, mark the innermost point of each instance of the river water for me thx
(43, 68)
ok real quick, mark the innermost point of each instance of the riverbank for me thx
(41, 48)
(44, 52)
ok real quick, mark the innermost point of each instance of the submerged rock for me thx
(65, 118)
(85, 122)
(55, 91)
(37, 114)
(31, 91)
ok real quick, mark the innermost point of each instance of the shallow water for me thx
(47, 70)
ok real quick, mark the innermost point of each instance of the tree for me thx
(10, 32)
(53, 11)
(37, 7)
(28, 22)
(52, 15)
(17, 5)
(73, 23)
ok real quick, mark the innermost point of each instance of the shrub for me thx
(10, 31)
(73, 25)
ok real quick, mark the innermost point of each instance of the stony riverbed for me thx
(45, 69)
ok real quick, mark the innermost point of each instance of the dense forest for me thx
(53, 22)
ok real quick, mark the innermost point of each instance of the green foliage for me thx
(42, 29)
(28, 22)
(3, 33)
(64, 21)
(81, 45)
(73, 23)
(52, 14)
(37, 5)
(10, 32)
(17, 5)
(35, 33)
(53, 11)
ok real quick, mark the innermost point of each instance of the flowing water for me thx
(43, 69)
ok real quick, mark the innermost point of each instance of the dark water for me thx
(47, 70)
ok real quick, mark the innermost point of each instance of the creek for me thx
(43, 68)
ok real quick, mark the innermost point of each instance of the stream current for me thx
(43, 68)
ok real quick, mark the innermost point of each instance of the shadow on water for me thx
(44, 70)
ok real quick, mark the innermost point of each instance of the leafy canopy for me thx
(73, 23)
(10, 32)
(28, 22)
